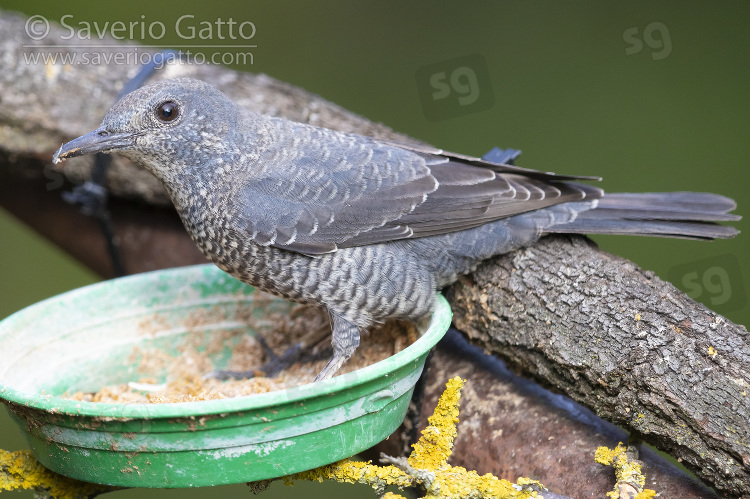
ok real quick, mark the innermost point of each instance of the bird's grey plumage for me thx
(366, 228)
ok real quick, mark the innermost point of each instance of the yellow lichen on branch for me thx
(427, 465)
(630, 479)
(347, 471)
(21, 471)
(436, 445)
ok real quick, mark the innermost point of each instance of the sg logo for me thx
(455, 87)
(656, 36)
(716, 282)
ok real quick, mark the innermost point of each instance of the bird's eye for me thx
(167, 111)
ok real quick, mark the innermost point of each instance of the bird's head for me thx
(166, 126)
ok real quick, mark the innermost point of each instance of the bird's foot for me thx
(331, 368)
(277, 363)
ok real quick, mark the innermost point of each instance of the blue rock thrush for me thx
(366, 228)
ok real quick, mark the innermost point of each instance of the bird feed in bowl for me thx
(172, 327)
(187, 369)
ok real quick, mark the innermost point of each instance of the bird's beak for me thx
(100, 140)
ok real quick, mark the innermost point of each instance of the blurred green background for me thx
(651, 96)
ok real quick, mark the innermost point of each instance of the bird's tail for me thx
(689, 215)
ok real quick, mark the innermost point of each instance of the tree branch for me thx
(621, 341)
(510, 427)
(613, 337)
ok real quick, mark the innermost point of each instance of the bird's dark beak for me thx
(100, 140)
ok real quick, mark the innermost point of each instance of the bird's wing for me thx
(313, 190)
(496, 167)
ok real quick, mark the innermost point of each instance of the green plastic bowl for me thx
(84, 339)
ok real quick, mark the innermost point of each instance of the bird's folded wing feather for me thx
(313, 191)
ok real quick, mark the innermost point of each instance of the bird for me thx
(367, 229)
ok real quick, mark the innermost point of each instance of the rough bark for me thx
(510, 427)
(622, 342)
(676, 375)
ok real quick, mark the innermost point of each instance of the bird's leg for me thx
(345, 341)
(277, 363)
(296, 352)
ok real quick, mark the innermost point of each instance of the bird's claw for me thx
(274, 366)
